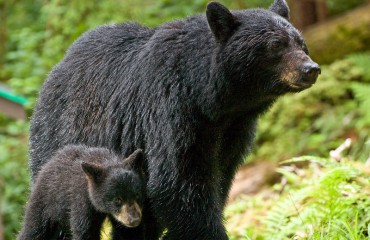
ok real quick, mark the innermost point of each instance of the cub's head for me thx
(260, 51)
(118, 189)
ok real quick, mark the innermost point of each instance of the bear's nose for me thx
(311, 70)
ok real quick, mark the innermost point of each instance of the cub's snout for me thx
(130, 215)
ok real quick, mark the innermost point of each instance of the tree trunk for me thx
(321, 10)
(307, 12)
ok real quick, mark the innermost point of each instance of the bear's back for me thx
(107, 77)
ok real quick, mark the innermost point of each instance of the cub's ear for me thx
(92, 171)
(280, 7)
(221, 21)
(135, 161)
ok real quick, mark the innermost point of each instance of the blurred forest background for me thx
(321, 197)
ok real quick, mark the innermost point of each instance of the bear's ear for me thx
(221, 21)
(280, 7)
(92, 171)
(135, 161)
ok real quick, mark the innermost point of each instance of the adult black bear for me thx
(188, 92)
(78, 188)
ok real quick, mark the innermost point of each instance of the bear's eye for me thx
(276, 44)
(305, 49)
(118, 202)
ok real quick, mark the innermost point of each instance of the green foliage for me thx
(319, 119)
(337, 197)
(362, 93)
(327, 200)
(14, 177)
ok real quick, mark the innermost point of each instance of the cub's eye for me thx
(138, 196)
(118, 202)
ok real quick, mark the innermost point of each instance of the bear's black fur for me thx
(188, 92)
(78, 188)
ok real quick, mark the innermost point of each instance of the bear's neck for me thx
(221, 99)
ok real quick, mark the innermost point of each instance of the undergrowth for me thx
(323, 199)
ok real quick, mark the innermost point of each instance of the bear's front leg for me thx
(236, 144)
(186, 200)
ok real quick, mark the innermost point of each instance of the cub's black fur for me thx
(78, 188)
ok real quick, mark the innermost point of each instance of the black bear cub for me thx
(78, 188)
